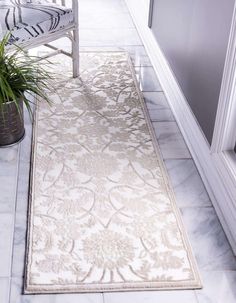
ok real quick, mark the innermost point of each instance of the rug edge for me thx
(194, 284)
(168, 183)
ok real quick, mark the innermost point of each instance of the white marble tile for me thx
(20, 220)
(111, 20)
(115, 37)
(171, 141)
(4, 289)
(27, 115)
(9, 154)
(8, 177)
(19, 245)
(147, 79)
(156, 100)
(16, 296)
(219, 287)
(6, 232)
(105, 6)
(102, 48)
(23, 185)
(26, 142)
(161, 115)
(18, 265)
(158, 107)
(208, 239)
(187, 183)
(138, 53)
(109, 37)
(187, 296)
(63, 43)
(26, 145)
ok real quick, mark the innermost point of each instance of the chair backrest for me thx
(31, 25)
(9, 15)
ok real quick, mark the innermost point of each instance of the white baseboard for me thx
(188, 125)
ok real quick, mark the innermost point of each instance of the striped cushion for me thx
(29, 20)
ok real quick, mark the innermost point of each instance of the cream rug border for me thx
(112, 287)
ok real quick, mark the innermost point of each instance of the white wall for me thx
(223, 201)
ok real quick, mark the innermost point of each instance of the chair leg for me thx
(75, 52)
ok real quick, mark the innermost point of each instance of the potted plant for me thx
(21, 76)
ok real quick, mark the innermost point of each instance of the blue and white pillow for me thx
(27, 20)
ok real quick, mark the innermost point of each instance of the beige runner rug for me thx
(102, 216)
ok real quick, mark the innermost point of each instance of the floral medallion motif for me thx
(108, 250)
(97, 164)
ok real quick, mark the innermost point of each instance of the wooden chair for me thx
(38, 22)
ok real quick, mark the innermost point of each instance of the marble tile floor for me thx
(215, 259)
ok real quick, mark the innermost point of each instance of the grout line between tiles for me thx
(196, 296)
(111, 45)
(152, 91)
(192, 207)
(9, 290)
(190, 158)
(154, 120)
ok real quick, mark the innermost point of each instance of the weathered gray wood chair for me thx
(38, 22)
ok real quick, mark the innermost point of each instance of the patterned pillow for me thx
(27, 20)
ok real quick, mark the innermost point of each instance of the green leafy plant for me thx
(21, 76)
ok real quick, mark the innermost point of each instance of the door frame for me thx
(205, 157)
(224, 136)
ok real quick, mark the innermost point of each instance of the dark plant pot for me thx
(11, 123)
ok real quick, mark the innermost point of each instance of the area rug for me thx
(102, 215)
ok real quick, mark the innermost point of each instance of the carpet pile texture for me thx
(102, 216)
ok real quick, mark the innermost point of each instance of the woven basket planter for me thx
(11, 124)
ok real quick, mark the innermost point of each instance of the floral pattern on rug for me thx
(102, 215)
